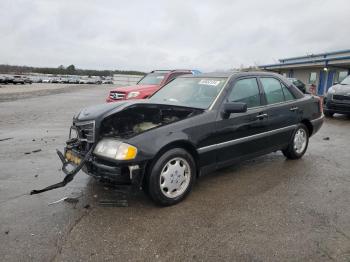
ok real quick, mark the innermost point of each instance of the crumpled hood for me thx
(94, 112)
(342, 89)
(99, 112)
(128, 89)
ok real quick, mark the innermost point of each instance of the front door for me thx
(239, 135)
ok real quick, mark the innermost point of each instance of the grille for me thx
(117, 95)
(341, 98)
(86, 131)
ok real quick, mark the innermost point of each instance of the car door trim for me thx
(244, 139)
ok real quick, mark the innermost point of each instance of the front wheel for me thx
(298, 144)
(171, 177)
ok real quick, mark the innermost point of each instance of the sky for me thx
(163, 34)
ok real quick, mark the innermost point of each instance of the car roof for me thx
(231, 74)
(170, 71)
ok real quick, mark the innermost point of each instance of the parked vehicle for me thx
(337, 99)
(9, 80)
(54, 80)
(36, 79)
(147, 86)
(107, 81)
(192, 126)
(63, 80)
(94, 80)
(73, 80)
(46, 80)
(27, 80)
(3, 80)
(299, 84)
(18, 80)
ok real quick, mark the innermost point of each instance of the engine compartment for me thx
(140, 118)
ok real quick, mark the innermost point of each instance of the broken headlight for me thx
(73, 133)
(115, 149)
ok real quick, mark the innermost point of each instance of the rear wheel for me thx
(328, 113)
(298, 144)
(171, 177)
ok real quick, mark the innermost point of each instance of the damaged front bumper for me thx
(130, 174)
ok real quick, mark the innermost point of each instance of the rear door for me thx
(281, 109)
(239, 135)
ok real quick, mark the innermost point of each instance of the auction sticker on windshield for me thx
(209, 82)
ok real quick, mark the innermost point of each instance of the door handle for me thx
(261, 116)
(294, 108)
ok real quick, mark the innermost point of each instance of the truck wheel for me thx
(328, 113)
(298, 144)
(171, 177)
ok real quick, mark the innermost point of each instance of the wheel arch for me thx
(309, 126)
(188, 146)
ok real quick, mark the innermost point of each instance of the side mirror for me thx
(233, 107)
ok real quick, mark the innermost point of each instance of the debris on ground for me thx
(326, 138)
(7, 232)
(113, 203)
(4, 139)
(87, 206)
(117, 199)
(33, 140)
(36, 150)
(73, 200)
(36, 175)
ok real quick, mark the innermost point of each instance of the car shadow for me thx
(248, 178)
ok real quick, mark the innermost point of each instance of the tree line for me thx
(61, 70)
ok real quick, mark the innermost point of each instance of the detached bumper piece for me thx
(69, 174)
(121, 175)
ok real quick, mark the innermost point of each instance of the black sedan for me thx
(338, 99)
(192, 126)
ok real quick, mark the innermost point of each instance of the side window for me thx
(273, 90)
(246, 91)
(287, 94)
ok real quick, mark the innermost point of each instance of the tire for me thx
(296, 149)
(328, 113)
(171, 177)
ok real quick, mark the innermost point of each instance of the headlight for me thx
(331, 90)
(133, 94)
(73, 133)
(115, 149)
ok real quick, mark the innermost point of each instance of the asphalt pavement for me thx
(265, 209)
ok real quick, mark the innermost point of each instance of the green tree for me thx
(71, 69)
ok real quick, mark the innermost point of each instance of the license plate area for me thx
(72, 157)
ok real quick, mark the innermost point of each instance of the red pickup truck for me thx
(147, 86)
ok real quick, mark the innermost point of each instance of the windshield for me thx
(152, 79)
(346, 81)
(190, 92)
